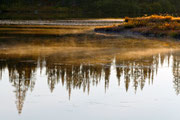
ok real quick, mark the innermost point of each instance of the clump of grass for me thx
(153, 18)
(154, 24)
(157, 18)
(162, 25)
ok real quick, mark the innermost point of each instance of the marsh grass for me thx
(154, 24)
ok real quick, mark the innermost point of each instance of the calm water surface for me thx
(70, 72)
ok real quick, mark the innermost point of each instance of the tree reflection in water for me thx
(22, 73)
(176, 73)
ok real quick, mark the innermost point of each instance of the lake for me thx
(64, 70)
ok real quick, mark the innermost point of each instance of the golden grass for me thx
(154, 24)
(163, 25)
(154, 18)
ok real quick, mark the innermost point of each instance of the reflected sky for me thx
(88, 76)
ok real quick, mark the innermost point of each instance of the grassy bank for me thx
(153, 25)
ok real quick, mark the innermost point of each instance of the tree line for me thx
(103, 8)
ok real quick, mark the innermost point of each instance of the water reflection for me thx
(76, 58)
(22, 73)
(176, 73)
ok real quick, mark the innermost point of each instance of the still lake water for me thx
(70, 72)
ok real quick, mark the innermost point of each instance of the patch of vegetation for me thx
(149, 25)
